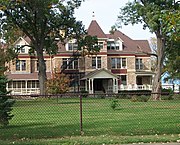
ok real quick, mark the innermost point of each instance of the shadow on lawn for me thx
(38, 131)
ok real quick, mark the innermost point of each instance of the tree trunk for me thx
(156, 88)
(42, 72)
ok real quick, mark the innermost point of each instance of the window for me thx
(139, 64)
(101, 45)
(69, 63)
(20, 48)
(20, 65)
(113, 45)
(72, 46)
(33, 84)
(96, 62)
(118, 63)
(123, 79)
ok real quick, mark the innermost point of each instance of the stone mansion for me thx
(121, 64)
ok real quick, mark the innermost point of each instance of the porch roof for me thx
(25, 76)
(144, 73)
(100, 73)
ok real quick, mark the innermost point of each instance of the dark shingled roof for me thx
(95, 30)
(129, 44)
(28, 76)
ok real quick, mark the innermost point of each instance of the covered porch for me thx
(143, 81)
(100, 81)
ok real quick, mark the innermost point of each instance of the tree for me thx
(58, 84)
(153, 14)
(5, 102)
(42, 21)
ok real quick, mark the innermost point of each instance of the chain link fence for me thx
(98, 114)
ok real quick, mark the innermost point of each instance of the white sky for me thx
(106, 12)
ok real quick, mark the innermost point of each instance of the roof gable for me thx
(95, 30)
(129, 44)
(102, 73)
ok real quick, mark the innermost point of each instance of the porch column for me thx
(86, 85)
(26, 86)
(115, 89)
(90, 86)
(113, 85)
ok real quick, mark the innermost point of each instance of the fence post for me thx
(81, 123)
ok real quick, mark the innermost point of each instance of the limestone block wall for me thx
(130, 63)
(131, 78)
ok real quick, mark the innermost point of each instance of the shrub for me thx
(84, 93)
(114, 104)
(141, 98)
(176, 96)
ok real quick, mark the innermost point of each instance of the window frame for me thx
(20, 65)
(139, 64)
(118, 63)
(96, 62)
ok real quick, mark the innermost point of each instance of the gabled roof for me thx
(144, 45)
(95, 30)
(129, 44)
(98, 71)
(25, 38)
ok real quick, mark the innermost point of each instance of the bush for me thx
(141, 98)
(84, 94)
(167, 97)
(114, 104)
(176, 96)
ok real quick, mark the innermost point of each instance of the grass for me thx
(47, 121)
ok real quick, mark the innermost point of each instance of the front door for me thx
(98, 86)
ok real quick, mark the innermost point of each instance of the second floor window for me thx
(118, 63)
(96, 62)
(72, 46)
(68, 63)
(139, 63)
(20, 65)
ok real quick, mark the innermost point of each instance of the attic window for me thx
(113, 45)
(72, 45)
(20, 48)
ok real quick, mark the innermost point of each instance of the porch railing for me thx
(23, 91)
(135, 87)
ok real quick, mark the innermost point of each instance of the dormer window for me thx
(114, 44)
(72, 45)
(101, 45)
(20, 48)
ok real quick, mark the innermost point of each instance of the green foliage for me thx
(176, 96)
(84, 93)
(58, 84)
(42, 21)
(114, 104)
(5, 103)
(162, 18)
(140, 98)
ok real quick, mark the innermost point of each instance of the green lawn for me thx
(45, 119)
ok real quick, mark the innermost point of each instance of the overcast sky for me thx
(106, 12)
